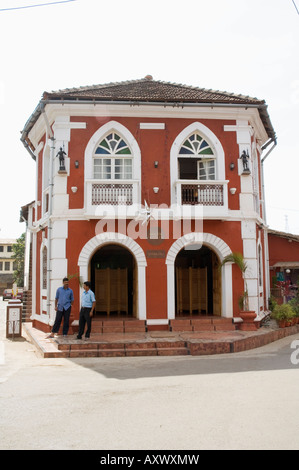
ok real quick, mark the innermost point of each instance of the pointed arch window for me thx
(197, 159)
(44, 267)
(112, 158)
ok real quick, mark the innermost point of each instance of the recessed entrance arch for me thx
(114, 281)
(220, 249)
(108, 238)
(197, 282)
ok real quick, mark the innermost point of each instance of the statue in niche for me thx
(245, 158)
(61, 155)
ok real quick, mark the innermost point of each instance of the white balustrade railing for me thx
(111, 193)
(114, 193)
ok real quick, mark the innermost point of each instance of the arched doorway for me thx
(113, 278)
(197, 282)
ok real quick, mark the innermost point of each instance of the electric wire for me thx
(295, 6)
(285, 209)
(39, 5)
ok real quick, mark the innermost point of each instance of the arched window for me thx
(260, 265)
(197, 160)
(112, 159)
(112, 168)
(44, 267)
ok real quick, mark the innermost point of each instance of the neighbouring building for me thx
(283, 264)
(7, 264)
(143, 187)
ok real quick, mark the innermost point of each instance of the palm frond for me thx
(236, 258)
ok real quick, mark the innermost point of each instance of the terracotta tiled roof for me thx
(149, 90)
(289, 236)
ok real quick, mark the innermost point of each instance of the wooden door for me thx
(202, 274)
(216, 286)
(111, 290)
(192, 290)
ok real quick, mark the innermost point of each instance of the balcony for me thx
(117, 193)
(210, 194)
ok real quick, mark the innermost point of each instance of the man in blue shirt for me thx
(63, 303)
(88, 303)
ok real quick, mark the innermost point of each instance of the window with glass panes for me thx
(112, 159)
(202, 162)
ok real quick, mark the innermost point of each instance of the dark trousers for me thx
(65, 315)
(84, 318)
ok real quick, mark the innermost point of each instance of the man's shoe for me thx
(79, 337)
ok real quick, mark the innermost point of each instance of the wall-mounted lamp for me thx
(233, 190)
(76, 164)
(232, 166)
(155, 190)
(74, 189)
(156, 163)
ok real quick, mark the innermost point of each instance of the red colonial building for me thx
(143, 187)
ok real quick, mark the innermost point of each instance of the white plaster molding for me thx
(248, 233)
(149, 111)
(152, 125)
(62, 127)
(157, 322)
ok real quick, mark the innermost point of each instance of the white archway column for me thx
(111, 237)
(221, 249)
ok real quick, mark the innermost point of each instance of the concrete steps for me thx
(148, 344)
(120, 349)
(202, 324)
(98, 346)
(118, 326)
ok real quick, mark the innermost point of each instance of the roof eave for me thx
(50, 99)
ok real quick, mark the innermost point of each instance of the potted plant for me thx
(283, 314)
(294, 302)
(272, 303)
(248, 316)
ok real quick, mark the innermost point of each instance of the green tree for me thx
(19, 256)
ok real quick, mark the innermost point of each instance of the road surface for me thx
(233, 401)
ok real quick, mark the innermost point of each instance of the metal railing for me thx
(206, 194)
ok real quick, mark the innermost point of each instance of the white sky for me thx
(240, 46)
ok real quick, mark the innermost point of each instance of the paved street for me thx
(238, 401)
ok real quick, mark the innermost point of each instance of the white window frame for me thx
(113, 126)
(205, 160)
(112, 157)
(215, 144)
(98, 136)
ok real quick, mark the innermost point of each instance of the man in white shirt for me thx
(88, 303)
